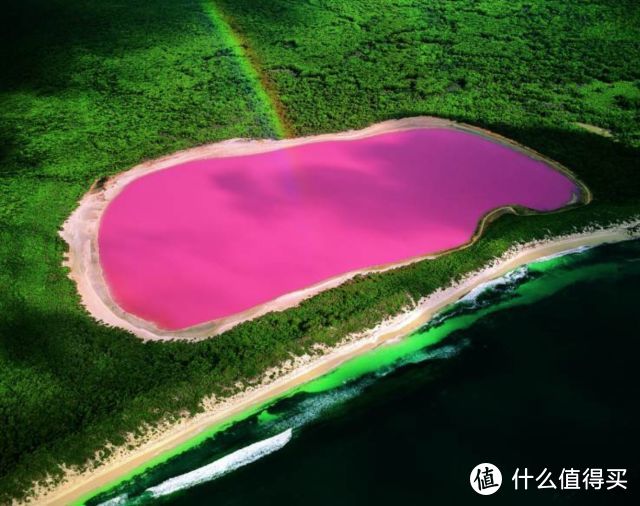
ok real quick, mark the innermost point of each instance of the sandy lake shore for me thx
(123, 461)
(80, 231)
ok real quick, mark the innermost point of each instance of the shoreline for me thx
(80, 230)
(79, 485)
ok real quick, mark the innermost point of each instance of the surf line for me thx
(267, 103)
(222, 466)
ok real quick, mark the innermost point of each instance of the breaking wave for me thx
(430, 353)
(509, 280)
(445, 352)
(222, 466)
(312, 408)
(573, 251)
(116, 501)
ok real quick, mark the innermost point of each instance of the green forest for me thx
(90, 88)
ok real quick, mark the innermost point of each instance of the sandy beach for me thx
(307, 368)
(80, 231)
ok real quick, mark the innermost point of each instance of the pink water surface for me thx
(210, 238)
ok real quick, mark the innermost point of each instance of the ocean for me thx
(535, 373)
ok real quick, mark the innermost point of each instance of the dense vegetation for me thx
(90, 88)
(340, 64)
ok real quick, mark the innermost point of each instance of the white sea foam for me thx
(223, 466)
(445, 352)
(580, 249)
(116, 501)
(315, 406)
(438, 353)
(509, 278)
(518, 274)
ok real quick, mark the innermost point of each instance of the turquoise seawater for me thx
(537, 370)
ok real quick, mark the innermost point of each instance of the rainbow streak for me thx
(266, 107)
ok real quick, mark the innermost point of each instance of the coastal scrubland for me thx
(91, 88)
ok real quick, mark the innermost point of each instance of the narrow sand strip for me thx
(80, 231)
(124, 461)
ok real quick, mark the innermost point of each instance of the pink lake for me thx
(210, 238)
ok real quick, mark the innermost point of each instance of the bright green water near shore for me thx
(535, 370)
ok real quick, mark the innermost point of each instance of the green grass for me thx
(91, 88)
